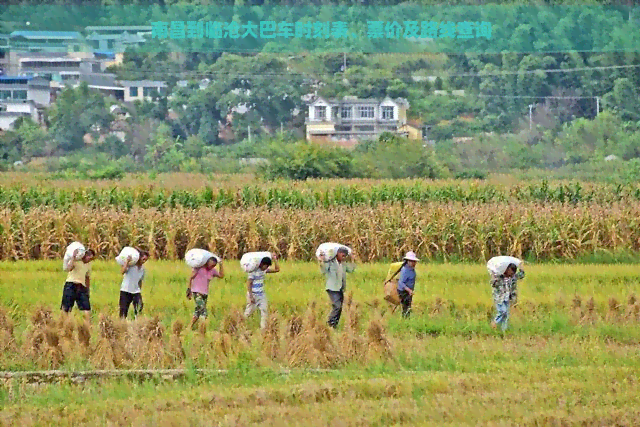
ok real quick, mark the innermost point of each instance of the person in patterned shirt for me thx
(505, 294)
(256, 298)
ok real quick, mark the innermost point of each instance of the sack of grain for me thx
(250, 261)
(68, 254)
(196, 258)
(498, 265)
(127, 252)
(327, 251)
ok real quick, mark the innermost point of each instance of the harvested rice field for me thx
(571, 355)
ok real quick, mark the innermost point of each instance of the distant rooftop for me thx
(51, 59)
(119, 28)
(101, 53)
(356, 100)
(71, 35)
(11, 79)
(100, 80)
(129, 83)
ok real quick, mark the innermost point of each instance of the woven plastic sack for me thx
(330, 250)
(128, 252)
(498, 265)
(196, 258)
(68, 254)
(250, 261)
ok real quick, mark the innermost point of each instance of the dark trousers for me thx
(75, 293)
(405, 300)
(125, 301)
(337, 298)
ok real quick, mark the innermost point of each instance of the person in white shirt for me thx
(256, 298)
(131, 287)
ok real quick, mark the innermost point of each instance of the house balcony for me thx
(354, 121)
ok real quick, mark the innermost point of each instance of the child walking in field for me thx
(199, 287)
(407, 283)
(131, 287)
(76, 288)
(256, 297)
(505, 293)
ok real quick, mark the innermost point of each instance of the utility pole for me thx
(344, 62)
(597, 105)
(530, 116)
(249, 130)
(281, 131)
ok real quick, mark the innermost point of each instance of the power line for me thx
(204, 74)
(537, 97)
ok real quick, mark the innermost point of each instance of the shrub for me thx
(302, 161)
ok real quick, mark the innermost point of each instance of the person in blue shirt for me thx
(407, 282)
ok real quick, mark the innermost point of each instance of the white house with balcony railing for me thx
(353, 119)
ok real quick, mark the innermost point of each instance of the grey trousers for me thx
(337, 298)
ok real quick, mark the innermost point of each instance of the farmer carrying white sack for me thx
(505, 273)
(335, 270)
(256, 298)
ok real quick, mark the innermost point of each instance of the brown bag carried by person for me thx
(391, 292)
(391, 285)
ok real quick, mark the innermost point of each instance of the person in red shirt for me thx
(199, 287)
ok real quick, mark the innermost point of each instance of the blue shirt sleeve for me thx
(402, 280)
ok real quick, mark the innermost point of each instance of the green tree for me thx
(623, 100)
(260, 83)
(75, 113)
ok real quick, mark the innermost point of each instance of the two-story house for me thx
(352, 119)
(22, 97)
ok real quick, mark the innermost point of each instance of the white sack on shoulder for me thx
(498, 265)
(330, 250)
(68, 254)
(196, 258)
(128, 252)
(251, 260)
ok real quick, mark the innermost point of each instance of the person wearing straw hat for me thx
(407, 282)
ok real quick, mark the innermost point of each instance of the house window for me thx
(321, 113)
(343, 128)
(364, 128)
(110, 44)
(149, 91)
(95, 68)
(5, 94)
(387, 113)
(133, 91)
(19, 94)
(345, 112)
(366, 112)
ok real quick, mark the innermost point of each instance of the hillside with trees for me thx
(552, 88)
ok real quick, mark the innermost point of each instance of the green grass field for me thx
(564, 360)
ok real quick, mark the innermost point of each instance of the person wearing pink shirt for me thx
(199, 287)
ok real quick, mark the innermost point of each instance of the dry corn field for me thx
(436, 231)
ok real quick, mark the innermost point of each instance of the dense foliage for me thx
(232, 105)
